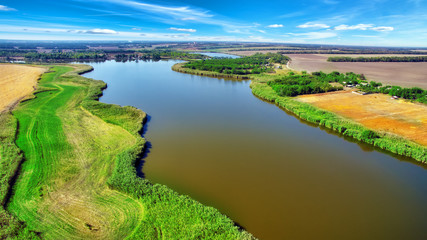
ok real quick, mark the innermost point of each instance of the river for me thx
(274, 175)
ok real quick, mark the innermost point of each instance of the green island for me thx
(68, 171)
(280, 88)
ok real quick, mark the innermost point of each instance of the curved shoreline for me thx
(164, 212)
(392, 143)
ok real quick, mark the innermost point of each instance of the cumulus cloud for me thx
(183, 29)
(383, 29)
(353, 27)
(313, 25)
(275, 26)
(5, 8)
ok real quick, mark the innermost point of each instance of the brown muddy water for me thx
(273, 174)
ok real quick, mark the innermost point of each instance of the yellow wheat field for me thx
(376, 111)
(16, 82)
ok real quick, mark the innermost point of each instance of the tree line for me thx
(379, 59)
(156, 55)
(45, 57)
(255, 64)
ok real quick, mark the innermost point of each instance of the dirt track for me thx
(376, 111)
(16, 82)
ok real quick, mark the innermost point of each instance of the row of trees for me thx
(45, 57)
(156, 55)
(379, 59)
(254, 64)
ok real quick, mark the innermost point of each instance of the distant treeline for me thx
(378, 59)
(349, 52)
(46, 57)
(317, 82)
(156, 55)
(262, 49)
(254, 64)
(118, 55)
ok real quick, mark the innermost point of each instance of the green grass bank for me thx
(78, 177)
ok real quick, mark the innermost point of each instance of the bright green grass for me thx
(78, 180)
(10, 160)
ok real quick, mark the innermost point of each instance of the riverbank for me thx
(346, 127)
(86, 182)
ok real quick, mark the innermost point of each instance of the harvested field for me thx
(16, 82)
(376, 111)
(405, 74)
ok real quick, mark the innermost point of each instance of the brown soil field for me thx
(405, 74)
(17, 82)
(376, 111)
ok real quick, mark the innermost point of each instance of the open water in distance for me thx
(276, 176)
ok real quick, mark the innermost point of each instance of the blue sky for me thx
(358, 22)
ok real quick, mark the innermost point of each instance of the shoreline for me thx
(346, 127)
(157, 208)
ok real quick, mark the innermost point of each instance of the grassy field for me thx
(17, 82)
(78, 180)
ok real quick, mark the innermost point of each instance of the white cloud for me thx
(383, 29)
(183, 29)
(315, 35)
(313, 25)
(330, 2)
(363, 27)
(136, 29)
(189, 19)
(261, 31)
(5, 8)
(177, 12)
(275, 26)
(353, 27)
(95, 31)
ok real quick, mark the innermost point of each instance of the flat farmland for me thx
(406, 74)
(376, 111)
(16, 82)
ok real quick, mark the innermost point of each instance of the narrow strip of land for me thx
(78, 179)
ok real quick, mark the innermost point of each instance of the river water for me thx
(274, 175)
